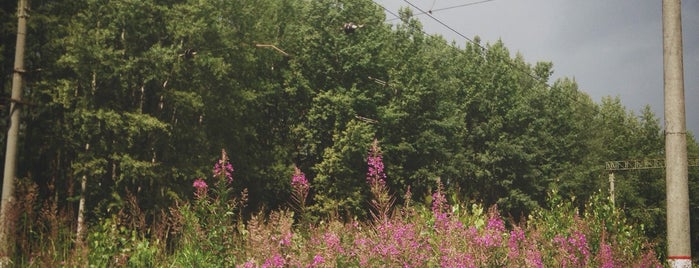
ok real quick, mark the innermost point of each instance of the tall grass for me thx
(209, 231)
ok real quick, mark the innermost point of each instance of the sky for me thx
(610, 47)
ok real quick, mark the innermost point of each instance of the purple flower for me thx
(201, 187)
(606, 256)
(332, 241)
(299, 181)
(495, 223)
(440, 209)
(516, 236)
(375, 175)
(439, 201)
(317, 260)
(300, 187)
(575, 249)
(534, 258)
(275, 261)
(223, 167)
(286, 240)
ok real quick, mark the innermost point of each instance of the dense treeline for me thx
(138, 96)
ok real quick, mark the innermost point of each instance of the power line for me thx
(458, 6)
(479, 45)
(506, 61)
(388, 10)
(460, 34)
(445, 25)
(431, 11)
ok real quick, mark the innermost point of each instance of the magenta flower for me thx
(201, 187)
(300, 187)
(285, 241)
(516, 237)
(317, 260)
(606, 256)
(224, 167)
(299, 181)
(440, 209)
(495, 223)
(375, 175)
(332, 241)
(248, 264)
(275, 261)
(574, 248)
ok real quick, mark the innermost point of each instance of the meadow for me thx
(211, 231)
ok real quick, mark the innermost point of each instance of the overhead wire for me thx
(506, 61)
(485, 49)
(458, 6)
(472, 41)
(431, 11)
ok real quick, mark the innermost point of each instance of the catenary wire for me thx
(509, 63)
(445, 8)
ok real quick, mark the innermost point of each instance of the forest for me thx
(138, 99)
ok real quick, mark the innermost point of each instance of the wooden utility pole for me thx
(676, 174)
(8, 187)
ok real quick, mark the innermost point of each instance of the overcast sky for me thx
(611, 47)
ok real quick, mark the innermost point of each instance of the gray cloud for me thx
(611, 47)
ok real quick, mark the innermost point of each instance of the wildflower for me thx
(300, 187)
(317, 260)
(275, 261)
(286, 240)
(439, 201)
(201, 187)
(299, 181)
(383, 200)
(332, 241)
(606, 256)
(248, 264)
(223, 167)
(516, 236)
(534, 258)
(375, 175)
(495, 223)
(575, 249)
(440, 208)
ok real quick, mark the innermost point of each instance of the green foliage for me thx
(340, 183)
(113, 244)
(123, 99)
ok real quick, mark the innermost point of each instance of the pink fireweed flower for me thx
(317, 260)
(606, 256)
(332, 241)
(286, 240)
(299, 181)
(248, 264)
(201, 187)
(300, 187)
(440, 209)
(375, 175)
(574, 248)
(516, 236)
(495, 223)
(275, 261)
(224, 167)
(439, 200)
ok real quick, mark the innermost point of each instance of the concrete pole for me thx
(8, 186)
(678, 244)
(611, 189)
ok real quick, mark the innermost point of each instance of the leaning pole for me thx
(12, 136)
(676, 177)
